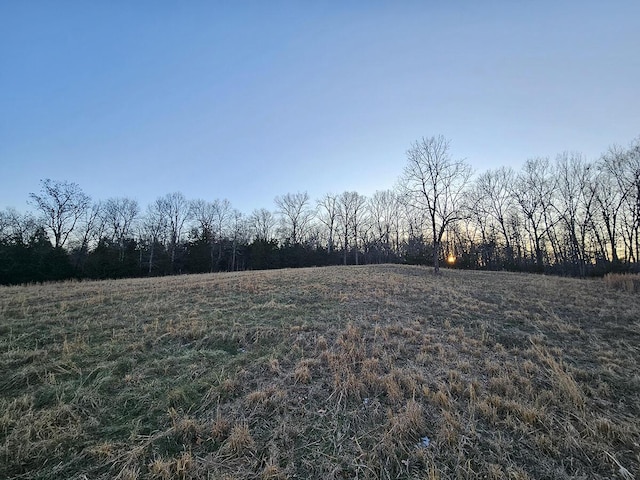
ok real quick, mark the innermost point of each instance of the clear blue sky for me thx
(249, 100)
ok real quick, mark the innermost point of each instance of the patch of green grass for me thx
(337, 372)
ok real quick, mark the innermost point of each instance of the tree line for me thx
(566, 216)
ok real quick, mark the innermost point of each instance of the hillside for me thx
(373, 372)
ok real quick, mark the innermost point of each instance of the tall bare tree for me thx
(176, 210)
(351, 218)
(328, 215)
(153, 230)
(533, 190)
(223, 217)
(206, 214)
(238, 234)
(296, 214)
(61, 205)
(119, 216)
(434, 182)
(17, 228)
(574, 206)
(262, 223)
(496, 200)
(384, 213)
(90, 229)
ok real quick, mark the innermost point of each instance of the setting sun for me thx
(451, 259)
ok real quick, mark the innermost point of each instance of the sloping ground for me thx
(374, 372)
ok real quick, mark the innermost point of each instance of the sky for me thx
(250, 100)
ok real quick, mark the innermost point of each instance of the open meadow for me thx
(371, 372)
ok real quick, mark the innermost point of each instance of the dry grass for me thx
(623, 281)
(321, 373)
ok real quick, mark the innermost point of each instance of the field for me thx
(374, 372)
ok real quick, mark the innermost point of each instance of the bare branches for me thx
(61, 205)
(296, 215)
(435, 183)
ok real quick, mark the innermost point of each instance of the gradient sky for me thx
(249, 100)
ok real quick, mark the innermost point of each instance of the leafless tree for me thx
(119, 216)
(328, 215)
(435, 183)
(384, 212)
(262, 223)
(296, 214)
(223, 216)
(5, 226)
(61, 205)
(17, 228)
(629, 179)
(611, 197)
(89, 230)
(238, 234)
(175, 210)
(351, 211)
(206, 215)
(533, 190)
(153, 231)
(494, 199)
(574, 205)
(358, 222)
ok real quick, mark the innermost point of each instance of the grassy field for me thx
(374, 372)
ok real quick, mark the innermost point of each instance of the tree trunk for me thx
(436, 257)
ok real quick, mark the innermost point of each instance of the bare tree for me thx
(435, 183)
(17, 228)
(629, 180)
(358, 222)
(5, 226)
(495, 199)
(611, 198)
(328, 215)
(384, 213)
(238, 233)
(153, 230)
(345, 219)
(296, 214)
(223, 215)
(61, 205)
(175, 210)
(533, 190)
(262, 223)
(351, 210)
(206, 215)
(89, 230)
(119, 215)
(574, 206)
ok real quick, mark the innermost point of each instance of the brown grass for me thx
(329, 373)
(627, 282)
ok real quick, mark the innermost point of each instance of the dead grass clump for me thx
(272, 471)
(321, 343)
(270, 398)
(347, 384)
(302, 374)
(240, 440)
(186, 429)
(626, 282)
(561, 378)
(180, 467)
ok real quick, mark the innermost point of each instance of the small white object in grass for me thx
(424, 442)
